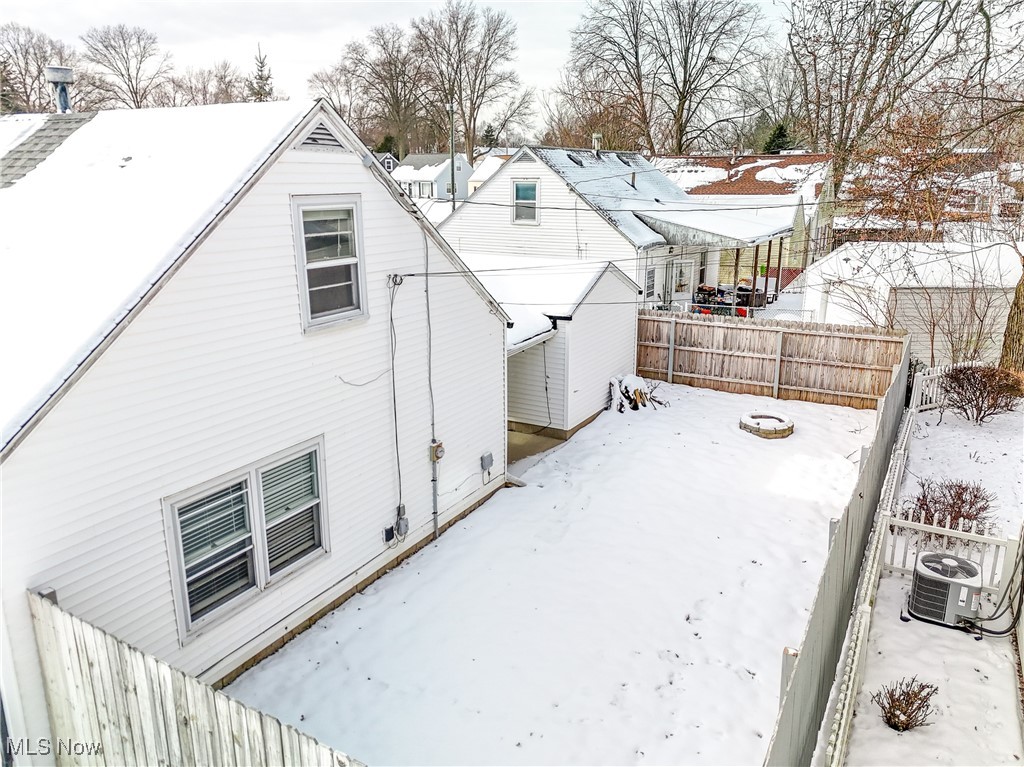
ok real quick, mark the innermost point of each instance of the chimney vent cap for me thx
(56, 74)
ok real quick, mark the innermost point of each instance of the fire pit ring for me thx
(766, 425)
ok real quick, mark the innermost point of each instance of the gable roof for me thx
(95, 228)
(644, 206)
(533, 291)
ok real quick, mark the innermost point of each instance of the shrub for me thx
(957, 501)
(905, 704)
(978, 393)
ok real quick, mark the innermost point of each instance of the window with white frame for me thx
(425, 190)
(649, 283)
(329, 258)
(237, 535)
(524, 202)
(448, 188)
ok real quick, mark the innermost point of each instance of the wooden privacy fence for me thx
(829, 364)
(111, 704)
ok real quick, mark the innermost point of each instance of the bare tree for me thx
(706, 50)
(860, 59)
(129, 60)
(222, 83)
(580, 107)
(467, 52)
(612, 47)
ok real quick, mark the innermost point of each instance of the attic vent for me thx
(623, 160)
(322, 137)
(524, 157)
(576, 160)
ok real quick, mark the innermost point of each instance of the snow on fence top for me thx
(810, 327)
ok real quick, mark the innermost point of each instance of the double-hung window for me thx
(237, 535)
(328, 250)
(524, 202)
(426, 189)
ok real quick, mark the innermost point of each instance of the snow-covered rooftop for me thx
(422, 167)
(922, 264)
(91, 228)
(533, 290)
(487, 167)
(16, 128)
(748, 175)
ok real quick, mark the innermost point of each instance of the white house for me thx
(603, 206)
(427, 179)
(793, 189)
(574, 329)
(953, 298)
(485, 168)
(226, 380)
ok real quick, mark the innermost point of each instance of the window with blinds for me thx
(331, 262)
(217, 545)
(291, 507)
(233, 539)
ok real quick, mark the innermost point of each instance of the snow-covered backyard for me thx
(975, 720)
(629, 606)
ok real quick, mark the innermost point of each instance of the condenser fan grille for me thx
(948, 566)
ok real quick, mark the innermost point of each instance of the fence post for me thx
(671, 351)
(789, 656)
(778, 364)
(833, 525)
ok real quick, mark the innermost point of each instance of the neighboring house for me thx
(574, 329)
(923, 196)
(387, 160)
(427, 179)
(952, 297)
(485, 168)
(220, 393)
(553, 202)
(793, 188)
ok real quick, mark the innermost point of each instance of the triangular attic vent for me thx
(322, 137)
(524, 157)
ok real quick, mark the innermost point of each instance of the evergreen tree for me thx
(779, 140)
(490, 138)
(387, 144)
(9, 101)
(260, 85)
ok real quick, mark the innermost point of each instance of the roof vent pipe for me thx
(60, 78)
(597, 144)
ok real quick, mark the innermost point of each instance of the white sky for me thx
(297, 37)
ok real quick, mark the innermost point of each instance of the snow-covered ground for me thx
(629, 606)
(976, 718)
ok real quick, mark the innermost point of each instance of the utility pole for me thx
(451, 112)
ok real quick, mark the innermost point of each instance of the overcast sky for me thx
(297, 37)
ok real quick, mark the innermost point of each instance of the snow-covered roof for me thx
(435, 209)
(16, 128)
(800, 175)
(486, 168)
(921, 264)
(94, 225)
(533, 290)
(422, 167)
(647, 208)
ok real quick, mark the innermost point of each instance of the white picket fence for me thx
(140, 711)
(895, 540)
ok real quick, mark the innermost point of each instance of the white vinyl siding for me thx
(216, 374)
(602, 345)
(568, 227)
(536, 382)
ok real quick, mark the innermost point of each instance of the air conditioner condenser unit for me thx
(946, 589)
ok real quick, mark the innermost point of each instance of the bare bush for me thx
(953, 500)
(905, 704)
(978, 393)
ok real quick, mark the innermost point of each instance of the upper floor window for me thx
(329, 259)
(524, 202)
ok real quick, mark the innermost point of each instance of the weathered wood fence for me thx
(111, 704)
(828, 364)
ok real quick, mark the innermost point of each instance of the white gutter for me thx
(529, 343)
